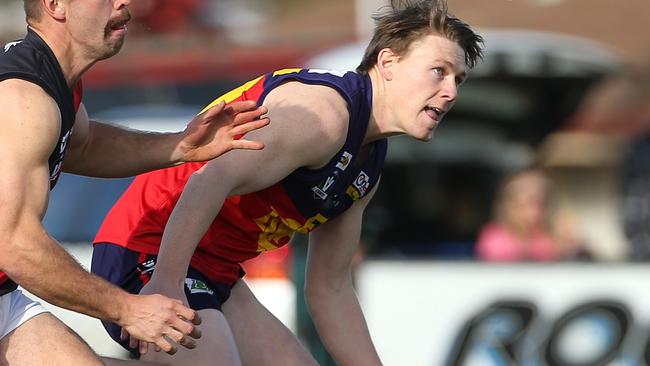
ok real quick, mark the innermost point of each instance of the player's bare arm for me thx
(35, 260)
(105, 150)
(329, 292)
(287, 148)
(310, 125)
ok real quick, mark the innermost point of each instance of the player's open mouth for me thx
(434, 113)
(119, 23)
(118, 27)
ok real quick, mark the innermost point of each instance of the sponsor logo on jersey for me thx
(353, 193)
(362, 182)
(147, 266)
(197, 286)
(276, 230)
(320, 191)
(56, 170)
(345, 160)
(11, 44)
(327, 71)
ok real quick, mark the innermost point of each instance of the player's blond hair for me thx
(405, 21)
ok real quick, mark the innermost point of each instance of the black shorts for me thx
(7, 287)
(132, 270)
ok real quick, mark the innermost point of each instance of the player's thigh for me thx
(215, 347)
(261, 338)
(45, 340)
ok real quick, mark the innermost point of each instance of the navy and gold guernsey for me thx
(265, 220)
(32, 60)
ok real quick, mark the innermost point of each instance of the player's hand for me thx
(219, 130)
(162, 321)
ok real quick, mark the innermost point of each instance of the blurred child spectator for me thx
(526, 224)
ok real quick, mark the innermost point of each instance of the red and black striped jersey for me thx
(31, 59)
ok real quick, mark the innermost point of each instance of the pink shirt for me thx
(497, 243)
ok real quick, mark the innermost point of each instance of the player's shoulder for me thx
(25, 92)
(25, 104)
(314, 108)
(346, 83)
(31, 120)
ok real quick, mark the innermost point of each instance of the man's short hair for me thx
(32, 9)
(405, 21)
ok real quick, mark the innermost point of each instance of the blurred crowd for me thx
(600, 155)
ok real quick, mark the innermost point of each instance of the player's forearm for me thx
(113, 151)
(341, 325)
(43, 267)
(193, 214)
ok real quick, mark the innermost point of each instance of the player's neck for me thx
(70, 58)
(381, 123)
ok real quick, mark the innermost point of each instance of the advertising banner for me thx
(473, 314)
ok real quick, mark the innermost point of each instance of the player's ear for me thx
(55, 9)
(386, 60)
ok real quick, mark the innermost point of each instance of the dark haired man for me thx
(46, 130)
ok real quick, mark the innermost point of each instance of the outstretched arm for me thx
(103, 150)
(34, 260)
(329, 292)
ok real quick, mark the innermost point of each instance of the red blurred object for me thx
(164, 16)
(272, 264)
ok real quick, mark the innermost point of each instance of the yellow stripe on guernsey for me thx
(275, 229)
(285, 71)
(233, 94)
(237, 92)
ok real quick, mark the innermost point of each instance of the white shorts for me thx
(15, 309)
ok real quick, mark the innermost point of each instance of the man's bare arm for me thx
(34, 260)
(329, 291)
(104, 150)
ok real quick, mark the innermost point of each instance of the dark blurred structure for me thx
(618, 108)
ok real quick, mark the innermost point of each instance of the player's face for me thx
(99, 25)
(425, 84)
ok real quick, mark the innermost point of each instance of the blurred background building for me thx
(564, 89)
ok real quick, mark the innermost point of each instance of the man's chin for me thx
(111, 51)
(425, 136)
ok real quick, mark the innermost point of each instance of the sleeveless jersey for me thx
(32, 60)
(256, 222)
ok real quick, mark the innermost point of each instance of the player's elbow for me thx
(317, 289)
(16, 242)
(9, 253)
